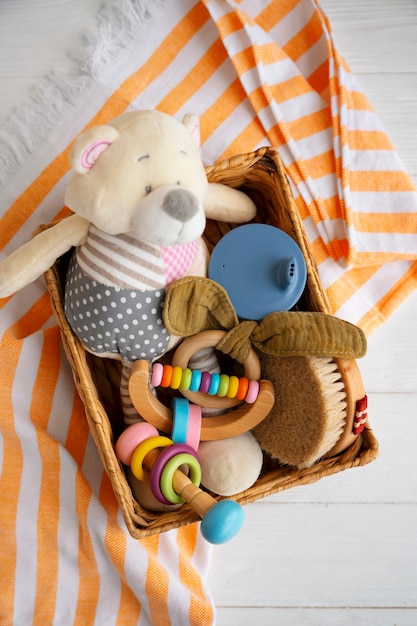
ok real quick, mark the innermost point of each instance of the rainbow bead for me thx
(233, 387)
(176, 377)
(214, 384)
(186, 378)
(195, 383)
(223, 385)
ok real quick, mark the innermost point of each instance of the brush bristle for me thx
(309, 413)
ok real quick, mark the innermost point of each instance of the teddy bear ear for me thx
(192, 124)
(90, 145)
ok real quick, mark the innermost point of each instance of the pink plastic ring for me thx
(157, 372)
(131, 438)
(157, 468)
(194, 425)
(253, 391)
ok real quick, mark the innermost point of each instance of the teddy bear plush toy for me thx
(140, 199)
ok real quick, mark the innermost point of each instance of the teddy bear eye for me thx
(148, 189)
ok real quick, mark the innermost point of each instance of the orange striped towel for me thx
(257, 73)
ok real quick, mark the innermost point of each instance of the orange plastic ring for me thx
(243, 388)
(166, 376)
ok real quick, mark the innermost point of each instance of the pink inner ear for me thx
(92, 152)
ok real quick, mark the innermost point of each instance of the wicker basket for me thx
(261, 175)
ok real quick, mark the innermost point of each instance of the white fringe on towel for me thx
(30, 125)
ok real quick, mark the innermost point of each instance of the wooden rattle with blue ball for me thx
(158, 459)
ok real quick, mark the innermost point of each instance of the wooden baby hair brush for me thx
(310, 412)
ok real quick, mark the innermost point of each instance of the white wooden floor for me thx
(342, 551)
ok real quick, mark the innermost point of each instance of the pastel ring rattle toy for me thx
(220, 520)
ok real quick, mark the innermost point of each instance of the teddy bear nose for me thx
(180, 204)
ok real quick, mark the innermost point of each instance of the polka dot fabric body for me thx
(114, 320)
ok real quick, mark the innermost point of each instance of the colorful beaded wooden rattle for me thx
(240, 420)
(158, 458)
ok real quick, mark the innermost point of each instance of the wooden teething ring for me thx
(236, 422)
(209, 339)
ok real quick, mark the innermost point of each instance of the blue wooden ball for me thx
(222, 522)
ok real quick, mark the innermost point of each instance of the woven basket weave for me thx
(260, 175)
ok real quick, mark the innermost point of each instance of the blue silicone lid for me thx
(262, 269)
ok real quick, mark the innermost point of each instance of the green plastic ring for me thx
(186, 379)
(171, 467)
(224, 385)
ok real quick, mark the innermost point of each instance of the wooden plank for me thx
(393, 97)
(315, 555)
(375, 36)
(390, 364)
(230, 616)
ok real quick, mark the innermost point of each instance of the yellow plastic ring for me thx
(233, 387)
(176, 377)
(136, 463)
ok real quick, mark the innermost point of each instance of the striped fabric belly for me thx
(127, 262)
(121, 261)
